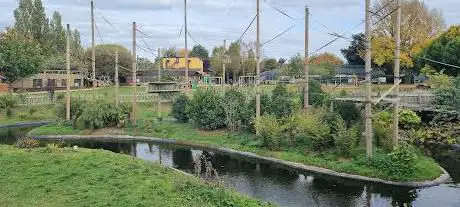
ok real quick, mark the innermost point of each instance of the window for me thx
(77, 82)
(63, 83)
(37, 83)
(53, 82)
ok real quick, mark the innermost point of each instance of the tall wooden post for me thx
(306, 63)
(224, 65)
(159, 80)
(68, 74)
(134, 74)
(396, 74)
(186, 45)
(258, 66)
(93, 50)
(368, 69)
(116, 79)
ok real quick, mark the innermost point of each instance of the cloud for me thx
(212, 21)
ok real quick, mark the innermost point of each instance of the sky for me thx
(210, 22)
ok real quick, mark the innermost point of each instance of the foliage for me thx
(102, 115)
(27, 143)
(76, 109)
(316, 131)
(354, 53)
(178, 109)
(409, 119)
(234, 104)
(200, 52)
(436, 79)
(295, 66)
(105, 60)
(316, 95)
(349, 112)
(32, 111)
(270, 131)
(345, 140)
(19, 56)
(383, 130)
(205, 109)
(144, 64)
(325, 58)
(270, 64)
(400, 162)
(7, 101)
(449, 97)
(444, 49)
(282, 104)
(9, 112)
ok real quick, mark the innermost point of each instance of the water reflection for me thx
(283, 186)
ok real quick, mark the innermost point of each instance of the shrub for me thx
(7, 101)
(234, 104)
(27, 143)
(316, 131)
(101, 115)
(316, 95)
(60, 97)
(9, 112)
(345, 140)
(383, 130)
(76, 109)
(53, 148)
(349, 112)
(282, 104)
(178, 109)
(400, 162)
(270, 131)
(32, 111)
(205, 109)
(409, 119)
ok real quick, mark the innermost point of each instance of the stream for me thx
(278, 184)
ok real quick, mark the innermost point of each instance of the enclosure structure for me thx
(163, 89)
(247, 80)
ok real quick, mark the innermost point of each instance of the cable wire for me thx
(279, 10)
(279, 35)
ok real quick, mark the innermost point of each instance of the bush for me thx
(178, 109)
(234, 104)
(409, 119)
(27, 143)
(282, 104)
(60, 97)
(7, 101)
(32, 111)
(316, 131)
(316, 95)
(9, 112)
(76, 109)
(102, 115)
(346, 140)
(383, 130)
(400, 162)
(349, 112)
(270, 131)
(205, 109)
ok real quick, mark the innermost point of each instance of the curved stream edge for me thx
(445, 177)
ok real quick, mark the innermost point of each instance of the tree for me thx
(250, 63)
(270, 64)
(144, 64)
(23, 15)
(19, 56)
(419, 24)
(446, 49)
(354, 53)
(200, 52)
(217, 59)
(295, 66)
(170, 52)
(58, 34)
(325, 58)
(234, 52)
(105, 60)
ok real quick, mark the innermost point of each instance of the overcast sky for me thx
(212, 21)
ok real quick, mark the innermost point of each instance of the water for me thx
(283, 186)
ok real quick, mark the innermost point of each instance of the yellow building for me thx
(195, 64)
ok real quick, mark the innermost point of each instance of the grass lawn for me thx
(22, 114)
(64, 177)
(427, 168)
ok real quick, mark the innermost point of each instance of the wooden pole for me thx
(159, 80)
(117, 83)
(368, 69)
(396, 74)
(134, 61)
(306, 63)
(93, 50)
(68, 74)
(224, 65)
(186, 45)
(258, 66)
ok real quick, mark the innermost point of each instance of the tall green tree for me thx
(270, 64)
(20, 56)
(446, 49)
(200, 52)
(58, 34)
(295, 67)
(105, 60)
(354, 53)
(23, 16)
(234, 52)
(217, 58)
